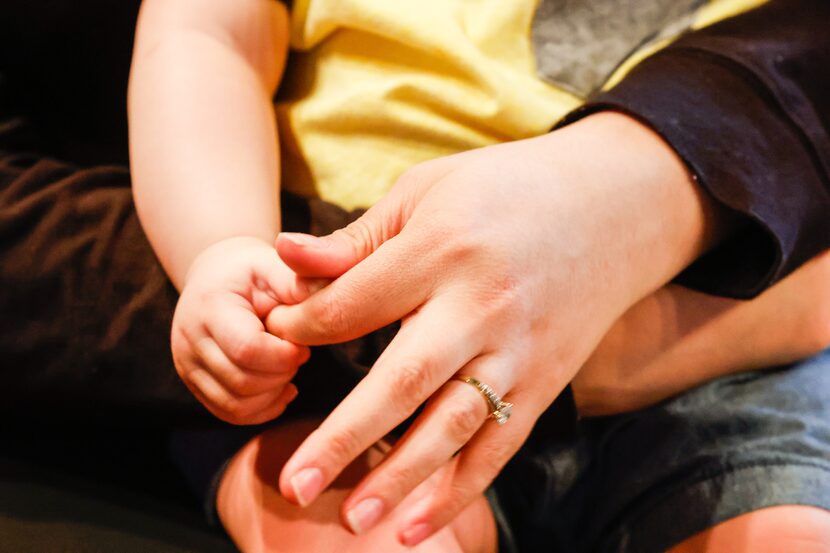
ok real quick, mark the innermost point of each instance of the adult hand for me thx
(507, 264)
(220, 347)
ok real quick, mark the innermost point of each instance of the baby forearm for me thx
(676, 339)
(203, 141)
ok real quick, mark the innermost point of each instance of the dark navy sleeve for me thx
(746, 105)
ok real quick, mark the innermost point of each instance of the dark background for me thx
(67, 486)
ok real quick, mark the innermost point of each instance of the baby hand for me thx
(221, 349)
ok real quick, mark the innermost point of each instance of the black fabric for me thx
(89, 490)
(65, 65)
(746, 104)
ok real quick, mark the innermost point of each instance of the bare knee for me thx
(791, 528)
(260, 520)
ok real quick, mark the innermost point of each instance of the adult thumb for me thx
(332, 255)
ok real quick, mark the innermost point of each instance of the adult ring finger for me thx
(499, 410)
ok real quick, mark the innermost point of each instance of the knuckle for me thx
(456, 500)
(329, 316)
(342, 446)
(503, 292)
(181, 350)
(501, 301)
(411, 382)
(399, 480)
(244, 350)
(242, 384)
(464, 419)
(181, 365)
(229, 405)
(360, 236)
(464, 246)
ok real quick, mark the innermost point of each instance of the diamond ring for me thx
(499, 410)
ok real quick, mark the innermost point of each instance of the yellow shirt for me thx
(374, 87)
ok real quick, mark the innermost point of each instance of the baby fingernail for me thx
(414, 535)
(307, 485)
(364, 515)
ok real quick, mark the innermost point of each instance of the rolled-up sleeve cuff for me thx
(744, 149)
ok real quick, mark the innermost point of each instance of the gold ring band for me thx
(499, 410)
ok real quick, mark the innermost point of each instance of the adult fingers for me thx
(336, 253)
(238, 410)
(383, 288)
(242, 337)
(404, 377)
(477, 466)
(332, 255)
(452, 417)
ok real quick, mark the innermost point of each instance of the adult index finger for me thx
(429, 349)
(386, 286)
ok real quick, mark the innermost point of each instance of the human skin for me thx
(204, 157)
(512, 262)
(668, 342)
(677, 338)
(260, 520)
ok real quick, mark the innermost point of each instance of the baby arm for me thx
(203, 143)
(205, 166)
(677, 338)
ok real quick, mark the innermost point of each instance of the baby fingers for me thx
(241, 336)
(236, 409)
(237, 380)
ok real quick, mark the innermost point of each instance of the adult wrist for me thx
(659, 217)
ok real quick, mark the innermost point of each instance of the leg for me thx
(85, 306)
(791, 528)
(260, 520)
(725, 456)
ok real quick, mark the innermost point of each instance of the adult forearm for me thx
(636, 192)
(203, 141)
(678, 338)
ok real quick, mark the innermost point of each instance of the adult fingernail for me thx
(303, 240)
(414, 535)
(364, 515)
(307, 485)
